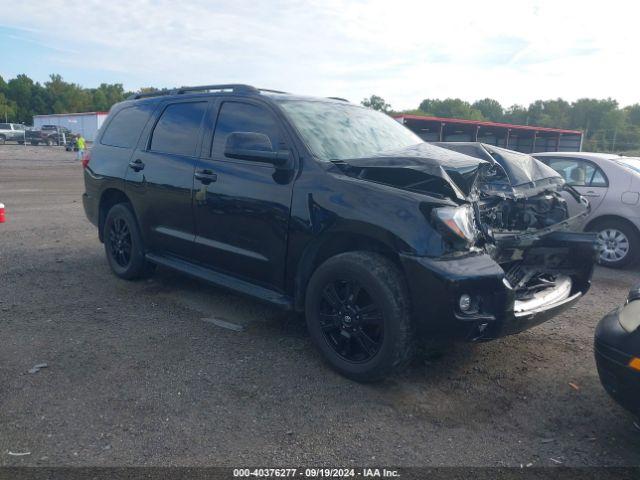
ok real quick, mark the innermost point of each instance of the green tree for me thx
(376, 103)
(450, 108)
(517, 114)
(490, 109)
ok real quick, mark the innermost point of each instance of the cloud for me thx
(404, 51)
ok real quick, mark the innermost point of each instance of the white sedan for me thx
(612, 185)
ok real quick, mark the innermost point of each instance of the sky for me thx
(405, 51)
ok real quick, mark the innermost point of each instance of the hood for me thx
(513, 174)
(454, 169)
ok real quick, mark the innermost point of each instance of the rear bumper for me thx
(436, 285)
(90, 208)
(613, 349)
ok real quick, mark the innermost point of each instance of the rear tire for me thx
(619, 243)
(123, 244)
(3, 140)
(358, 315)
(49, 142)
(34, 143)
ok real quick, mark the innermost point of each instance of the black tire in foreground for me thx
(618, 242)
(123, 244)
(358, 315)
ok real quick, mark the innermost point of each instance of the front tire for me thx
(618, 243)
(3, 140)
(123, 243)
(358, 315)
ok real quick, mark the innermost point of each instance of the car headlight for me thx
(629, 316)
(457, 224)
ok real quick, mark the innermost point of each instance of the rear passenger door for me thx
(242, 207)
(159, 177)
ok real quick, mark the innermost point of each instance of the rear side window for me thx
(124, 129)
(242, 117)
(178, 128)
(5, 126)
(578, 173)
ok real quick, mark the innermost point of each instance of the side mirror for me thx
(255, 147)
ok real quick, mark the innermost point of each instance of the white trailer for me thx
(86, 123)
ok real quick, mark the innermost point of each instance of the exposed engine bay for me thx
(509, 203)
(523, 214)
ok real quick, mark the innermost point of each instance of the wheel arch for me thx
(329, 245)
(109, 198)
(604, 218)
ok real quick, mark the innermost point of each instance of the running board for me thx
(222, 280)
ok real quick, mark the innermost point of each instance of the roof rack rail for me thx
(268, 90)
(155, 93)
(339, 98)
(233, 87)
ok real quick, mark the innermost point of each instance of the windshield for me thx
(632, 163)
(335, 131)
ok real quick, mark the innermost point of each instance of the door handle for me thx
(136, 165)
(205, 176)
(591, 193)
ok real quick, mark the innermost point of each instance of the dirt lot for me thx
(135, 375)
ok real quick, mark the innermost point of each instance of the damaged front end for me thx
(512, 250)
(522, 214)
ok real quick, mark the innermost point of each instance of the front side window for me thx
(126, 126)
(178, 128)
(244, 117)
(337, 131)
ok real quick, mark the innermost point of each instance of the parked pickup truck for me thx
(49, 135)
(11, 132)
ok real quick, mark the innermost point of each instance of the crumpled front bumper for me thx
(436, 284)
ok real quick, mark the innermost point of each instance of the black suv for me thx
(337, 211)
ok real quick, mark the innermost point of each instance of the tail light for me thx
(2, 218)
(86, 158)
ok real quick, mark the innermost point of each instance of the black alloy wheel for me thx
(120, 242)
(358, 315)
(123, 243)
(350, 320)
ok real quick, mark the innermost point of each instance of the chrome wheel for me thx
(613, 245)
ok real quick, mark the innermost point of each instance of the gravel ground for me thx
(137, 375)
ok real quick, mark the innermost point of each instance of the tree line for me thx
(607, 127)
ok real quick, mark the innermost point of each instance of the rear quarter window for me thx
(125, 127)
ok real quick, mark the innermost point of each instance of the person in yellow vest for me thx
(81, 145)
